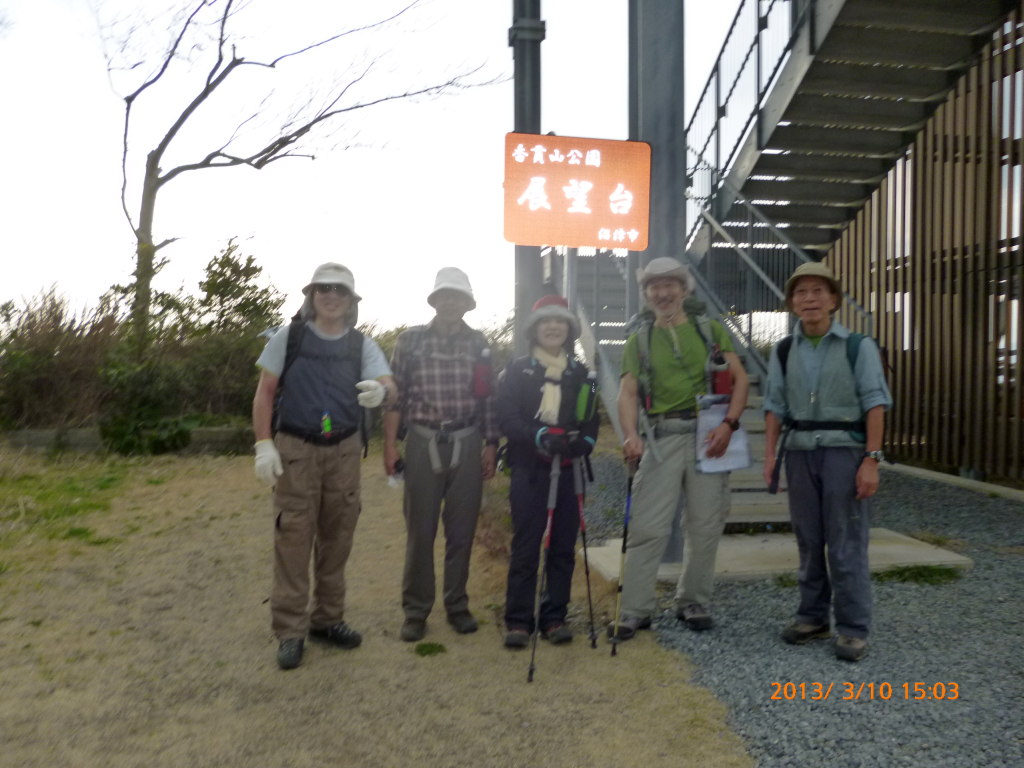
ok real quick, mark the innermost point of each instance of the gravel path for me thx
(967, 632)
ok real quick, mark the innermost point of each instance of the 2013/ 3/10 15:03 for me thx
(851, 691)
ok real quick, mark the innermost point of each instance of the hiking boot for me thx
(850, 648)
(695, 616)
(340, 634)
(517, 638)
(463, 622)
(628, 626)
(413, 630)
(557, 634)
(798, 633)
(289, 653)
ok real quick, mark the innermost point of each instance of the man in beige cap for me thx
(827, 388)
(664, 368)
(447, 403)
(317, 374)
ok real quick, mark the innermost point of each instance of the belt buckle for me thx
(442, 433)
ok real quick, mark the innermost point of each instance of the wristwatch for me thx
(734, 424)
(876, 455)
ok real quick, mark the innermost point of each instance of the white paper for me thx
(712, 410)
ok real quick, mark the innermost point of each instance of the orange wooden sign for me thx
(562, 190)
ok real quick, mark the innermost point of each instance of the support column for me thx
(524, 37)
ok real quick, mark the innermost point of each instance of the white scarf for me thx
(551, 401)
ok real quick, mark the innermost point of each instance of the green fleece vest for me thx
(835, 400)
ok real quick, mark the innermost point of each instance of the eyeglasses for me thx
(331, 287)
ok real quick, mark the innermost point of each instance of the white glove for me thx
(268, 462)
(373, 393)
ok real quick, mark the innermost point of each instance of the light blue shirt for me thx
(271, 360)
(867, 373)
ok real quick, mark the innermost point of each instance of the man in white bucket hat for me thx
(317, 374)
(447, 402)
(665, 365)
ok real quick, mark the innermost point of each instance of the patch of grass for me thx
(57, 490)
(36, 622)
(156, 481)
(4, 567)
(82, 534)
(785, 580)
(430, 649)
(919, 574)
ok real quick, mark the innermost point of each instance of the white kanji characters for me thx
(577, 192)
(556, 157)
(535, 194)
(621, 199)
(619, 235)
(633, 235)
(538, 154)
(604, 234)
(519, 153)
(594, 157)
(575, 156)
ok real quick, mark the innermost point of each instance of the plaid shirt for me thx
(434, 374)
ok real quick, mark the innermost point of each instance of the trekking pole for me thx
(577, 477)
(631, 470)
(556, 470)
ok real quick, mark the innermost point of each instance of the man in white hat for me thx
(664, 368)
(827, 387)
(447, 403)
(317, 374)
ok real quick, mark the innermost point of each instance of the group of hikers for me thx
(825, 395)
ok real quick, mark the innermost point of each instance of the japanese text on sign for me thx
(576, 192)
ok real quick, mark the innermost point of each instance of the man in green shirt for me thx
(677, 362)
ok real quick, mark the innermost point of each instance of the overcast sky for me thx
(420, 188)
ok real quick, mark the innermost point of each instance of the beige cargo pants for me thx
(656, 489)
(316, 506)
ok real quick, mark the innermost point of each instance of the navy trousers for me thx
(828, 517)
(529, 498)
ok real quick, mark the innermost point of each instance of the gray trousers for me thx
(460, 490)
(656, 490)
(832, 529)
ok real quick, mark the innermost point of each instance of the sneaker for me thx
(850, 648)
(628, 626)
(340, 634)
(798, 633)
(413, 630)
(289, 653)
(696, 616)
(517, 638)
(463, 622)
(557, 634)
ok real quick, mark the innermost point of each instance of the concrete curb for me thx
(960, 482)
(203, 440)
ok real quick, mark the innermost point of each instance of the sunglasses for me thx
(330, 288)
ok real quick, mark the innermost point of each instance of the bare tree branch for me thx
(156, 248)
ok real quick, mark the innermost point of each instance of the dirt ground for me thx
(153, 648)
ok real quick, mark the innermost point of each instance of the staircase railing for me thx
(756, 48)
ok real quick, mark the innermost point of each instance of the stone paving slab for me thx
(762, 556)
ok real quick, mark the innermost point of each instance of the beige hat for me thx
(814, 269)
(664, 266)
(333, 274)
(452, 279)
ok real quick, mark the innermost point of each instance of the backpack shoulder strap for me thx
(703, 327)
(784, 347)
(853, 348)
(296, 332)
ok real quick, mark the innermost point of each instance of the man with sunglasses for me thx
(448, 406)
(317, 374)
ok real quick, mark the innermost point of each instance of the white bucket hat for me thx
(452, 279)
(665, 266)
(332, 273)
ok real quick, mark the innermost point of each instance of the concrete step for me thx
(751, 479)
(814, 192)
(861, 170)
(896, 47)
(839, 141)
(845, 112)
(758, 507)
(750, 558)
(944, 16)
(839, 79)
